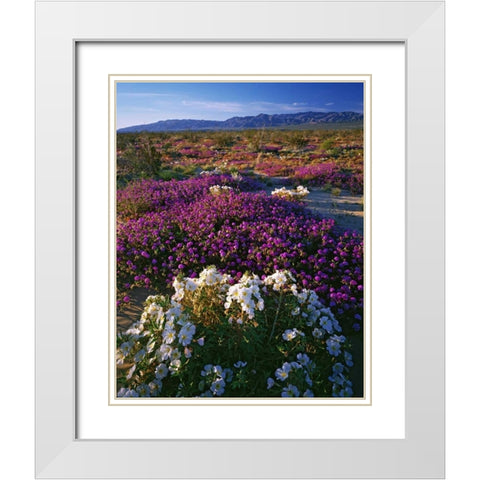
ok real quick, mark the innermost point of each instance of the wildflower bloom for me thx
(210, 276)
(338, 368)
(303, 359)
(343, 389)
(217, 189)
(164, 352)
(140, 355)
(161, 371)
(190, 284)
(247, 294)
(127, 392)
(218, 387)
(131, 372)
(346, 392)
(124, 351)
(185, 207)
(326, 324)
(348, 359)
(136, 329)
(153, 309)
(175, 365)
(175, 354)
(334, 344)
(166, 360)
(186, 334)
(282, 373)
(299, 193)
(279, 279)
(317, 333)
(289, 335)
(168, 335)
(143, 390)
(155, 387)
(290, 391)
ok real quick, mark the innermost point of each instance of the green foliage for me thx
(298, 140)
(224, 139)
(254, 338)
(149, 158)
(327, 144)
(191, 136)
(268, 152)
(335, 152)
(124, 140)
(255, 139)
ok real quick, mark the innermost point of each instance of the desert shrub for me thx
(224, 139)
(125, 139)
(192, 135)
(246, 338)
(255, 139)
(298, 140)
(185, 170)
(169, 174)
(327, 144)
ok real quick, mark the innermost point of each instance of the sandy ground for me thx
(133, 310)
(345, 208)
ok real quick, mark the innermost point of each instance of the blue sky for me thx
(139, 103)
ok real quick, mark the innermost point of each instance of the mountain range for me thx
(281, 120)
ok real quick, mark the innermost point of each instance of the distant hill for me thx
(282, 120)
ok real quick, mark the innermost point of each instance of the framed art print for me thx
(218, 239)
(212, 165)
(241, 205)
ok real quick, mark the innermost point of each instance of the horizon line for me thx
(239, 116)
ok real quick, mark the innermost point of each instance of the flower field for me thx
(252, 293)
(325, 158)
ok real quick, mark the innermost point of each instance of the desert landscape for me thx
(240, 257)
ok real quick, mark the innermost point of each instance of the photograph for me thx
(238, 225)
(239, 239)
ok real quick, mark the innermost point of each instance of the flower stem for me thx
(276, 316)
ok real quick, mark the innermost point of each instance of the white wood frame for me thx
(60, 25)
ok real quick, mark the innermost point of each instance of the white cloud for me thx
(231, 107)
(295, 107)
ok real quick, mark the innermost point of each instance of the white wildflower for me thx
(161, 371)
(127, 392)
(290, 391)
